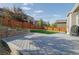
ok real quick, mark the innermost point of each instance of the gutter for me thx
(73, 9)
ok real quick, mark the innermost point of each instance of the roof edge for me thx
(73, 9)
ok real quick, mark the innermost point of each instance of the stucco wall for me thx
(71, 20)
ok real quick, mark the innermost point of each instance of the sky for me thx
(47, 11)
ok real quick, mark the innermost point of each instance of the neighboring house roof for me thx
(61, 21)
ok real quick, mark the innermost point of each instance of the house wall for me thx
(77, 18)
(61, 25)
(71, 20)
(68, 23)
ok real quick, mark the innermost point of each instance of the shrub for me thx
(43, 31)
(74, 30)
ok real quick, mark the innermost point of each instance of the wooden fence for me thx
(19, 24)
(58, 29)
(26, 25)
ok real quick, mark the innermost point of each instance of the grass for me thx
(43, 31)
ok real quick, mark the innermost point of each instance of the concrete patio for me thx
(44, 44)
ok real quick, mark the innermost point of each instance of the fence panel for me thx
(59, 29)
(26, 25)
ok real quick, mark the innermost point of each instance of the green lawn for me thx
(43, 31)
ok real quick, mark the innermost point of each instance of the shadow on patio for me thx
(52, 46)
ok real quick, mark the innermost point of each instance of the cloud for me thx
(6, 5)
(39, 11)
(26, 8)
(57, 15)
(26, 4)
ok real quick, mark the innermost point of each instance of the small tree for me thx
(7, 14)
(75, 30)
(48, 24)
(54, 25)
(40, 22)
(18, 14)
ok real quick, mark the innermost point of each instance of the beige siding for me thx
(61, 25)
(71, 20)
